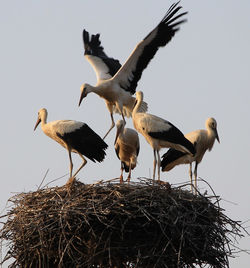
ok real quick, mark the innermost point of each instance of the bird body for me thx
(117, 101)
(116, 83)
(159, 133)
(75, 136)
(127, 147)
(202, 139)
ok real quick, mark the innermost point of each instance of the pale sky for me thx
(203, 72)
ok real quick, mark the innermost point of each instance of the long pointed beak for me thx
(37, 123)
(117, 134)
(81, 98)
(217, 136)
(134, 104)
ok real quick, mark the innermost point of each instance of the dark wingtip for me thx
(170, 156)
(92, 44)
(169, 17)
(85, 36)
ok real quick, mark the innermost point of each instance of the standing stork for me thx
(159, 133)
(127, 147)
(76, 137)
(202, 140)
(116, 83)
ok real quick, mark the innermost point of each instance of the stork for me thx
(115, 83)
(127, 147)
(159, 133)
(203, 140)
(76, 137)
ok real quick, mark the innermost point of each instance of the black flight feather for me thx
(170, 156)
(165, 31)
(93, 47)
(173, 135)
(85, 141)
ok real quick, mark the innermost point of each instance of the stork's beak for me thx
(117, 134)
(134, 105)
(37, 123)
(83, 95)
(217, 136)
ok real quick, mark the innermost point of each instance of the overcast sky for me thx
(203, 72)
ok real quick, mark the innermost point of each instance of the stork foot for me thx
(121, 179)
(70, 181)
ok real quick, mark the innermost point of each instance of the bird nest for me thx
(108, 224)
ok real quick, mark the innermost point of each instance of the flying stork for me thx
(127, 147)
(76, 137)
(202, 140)
(116, 83)
(159, 133)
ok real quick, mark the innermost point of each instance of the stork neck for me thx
(137, 107)
(96, 89)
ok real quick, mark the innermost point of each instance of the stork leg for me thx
(121, 177)
(70, 163)
(112, 125)
(154, 164)
(158, 164)
(123, 118)
(71, 179)
(195, 176)
(129, 173)
(191, 176)
(82, 165)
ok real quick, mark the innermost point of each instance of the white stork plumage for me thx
(159, 133)
(127, 147)
(116, 83)
(203, 140)
(76, 137)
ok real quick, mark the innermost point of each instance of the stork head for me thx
(120, 126)
(42, 116)
(85, 89)
(212, 124)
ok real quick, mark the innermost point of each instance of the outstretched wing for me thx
(130, 73)
(104, 67)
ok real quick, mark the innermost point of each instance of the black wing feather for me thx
(85, 141)
(170, 156)
(93, 47)
(173, 135)
(166, 30)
